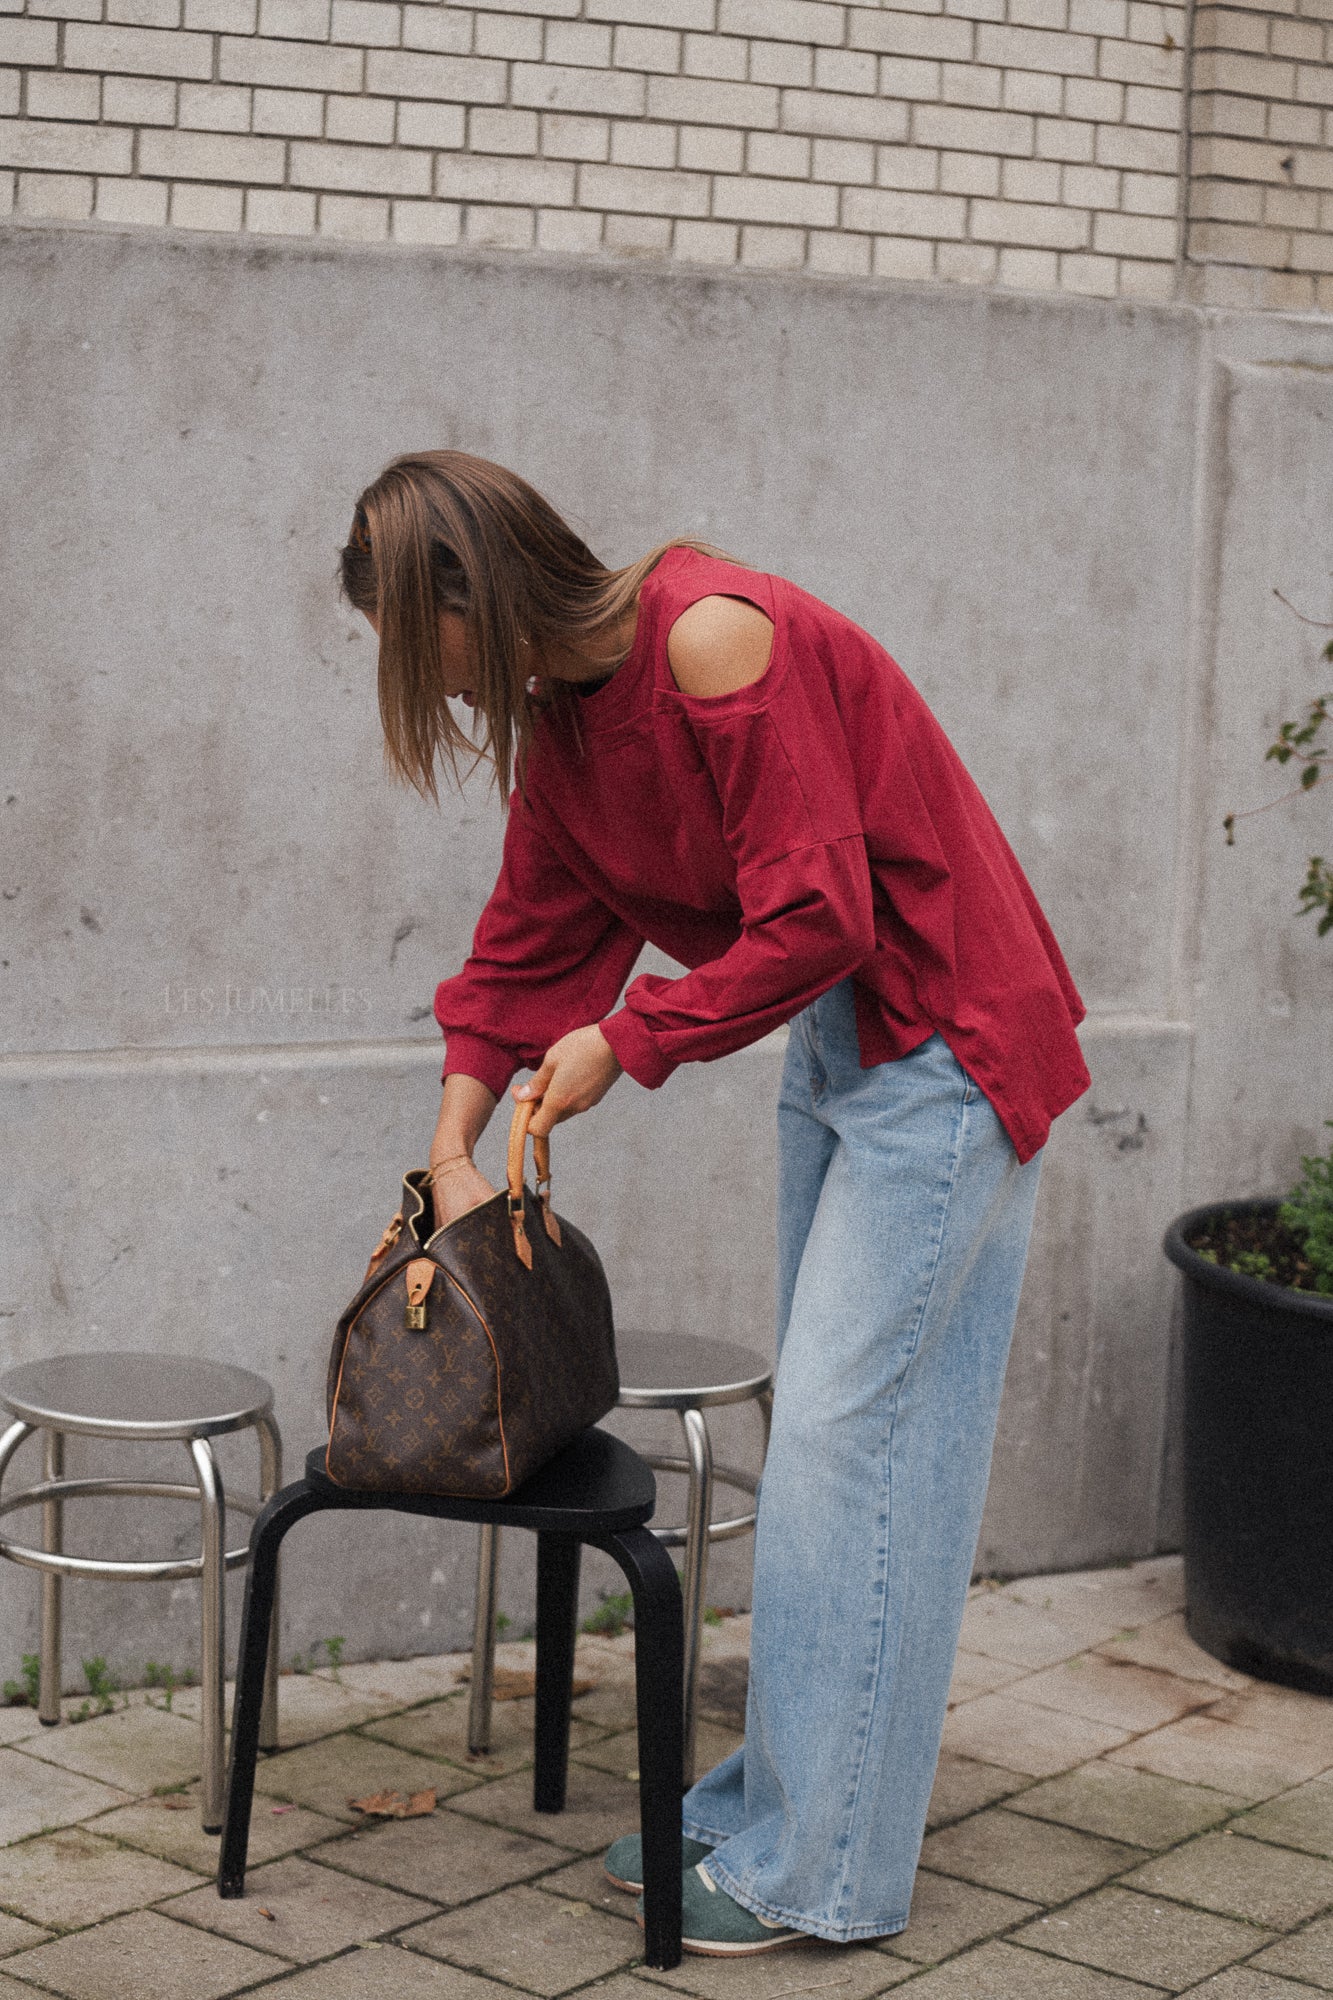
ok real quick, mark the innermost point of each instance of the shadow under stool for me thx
(597, 1491)
(126, 1397)
(658, 1371)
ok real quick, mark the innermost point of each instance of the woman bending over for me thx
(711, 760)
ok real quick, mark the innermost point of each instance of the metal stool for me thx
(125, 1396)
(658, 1371)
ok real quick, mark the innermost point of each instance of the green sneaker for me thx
(624, 1860)
(717, 1927)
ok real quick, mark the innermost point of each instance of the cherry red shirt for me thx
(812, 825)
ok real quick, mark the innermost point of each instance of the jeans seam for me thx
(845, 1887)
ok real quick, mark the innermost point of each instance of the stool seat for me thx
(598, 1482)
(685, 1371)
(135, 1396)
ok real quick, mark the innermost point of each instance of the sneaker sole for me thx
(708, 1949)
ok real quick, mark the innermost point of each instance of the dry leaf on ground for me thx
(516, 1683)
(395, 1805)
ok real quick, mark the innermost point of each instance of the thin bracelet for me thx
(448, 1166)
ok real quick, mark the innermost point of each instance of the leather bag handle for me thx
(541, 1154)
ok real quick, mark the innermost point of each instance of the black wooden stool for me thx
(598, 1491)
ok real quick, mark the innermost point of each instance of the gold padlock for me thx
(419, 1275)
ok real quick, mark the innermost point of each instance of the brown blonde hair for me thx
(443, 531)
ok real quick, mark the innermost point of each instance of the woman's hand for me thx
(458, 1186)
(576, 1073)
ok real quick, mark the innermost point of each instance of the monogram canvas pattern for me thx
(510, 1365)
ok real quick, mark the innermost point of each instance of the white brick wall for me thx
(1260, 228)
(1034, 143)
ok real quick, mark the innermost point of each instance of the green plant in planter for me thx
(1308, 1210)
(1292, 1245)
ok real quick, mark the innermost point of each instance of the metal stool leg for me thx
(213, 1664)
(483, 1640)
(270, 1479)
(698, 1515)
(53, 1524)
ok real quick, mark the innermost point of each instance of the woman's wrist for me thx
(465, 1108)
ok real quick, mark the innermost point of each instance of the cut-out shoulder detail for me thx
(719, 644)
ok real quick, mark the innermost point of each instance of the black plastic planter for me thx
(1258, 1465)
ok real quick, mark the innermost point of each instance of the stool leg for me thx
(53, 1540)
(270, 1479)
(557, 1616)
(658, 1652)
(483, 1640)
(281, 1514)
(213, 1653)
(697, 1517)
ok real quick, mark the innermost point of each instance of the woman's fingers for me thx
(538, 1085)
(576, 1074)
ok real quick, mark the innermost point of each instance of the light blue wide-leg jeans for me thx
(903, 1224)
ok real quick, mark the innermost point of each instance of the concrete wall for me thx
(222, 926)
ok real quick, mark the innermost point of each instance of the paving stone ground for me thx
(1115, 1814)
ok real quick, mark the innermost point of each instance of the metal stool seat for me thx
(658, 1371)
(127, 1397)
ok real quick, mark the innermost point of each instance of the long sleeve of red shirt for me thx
(547, 957)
